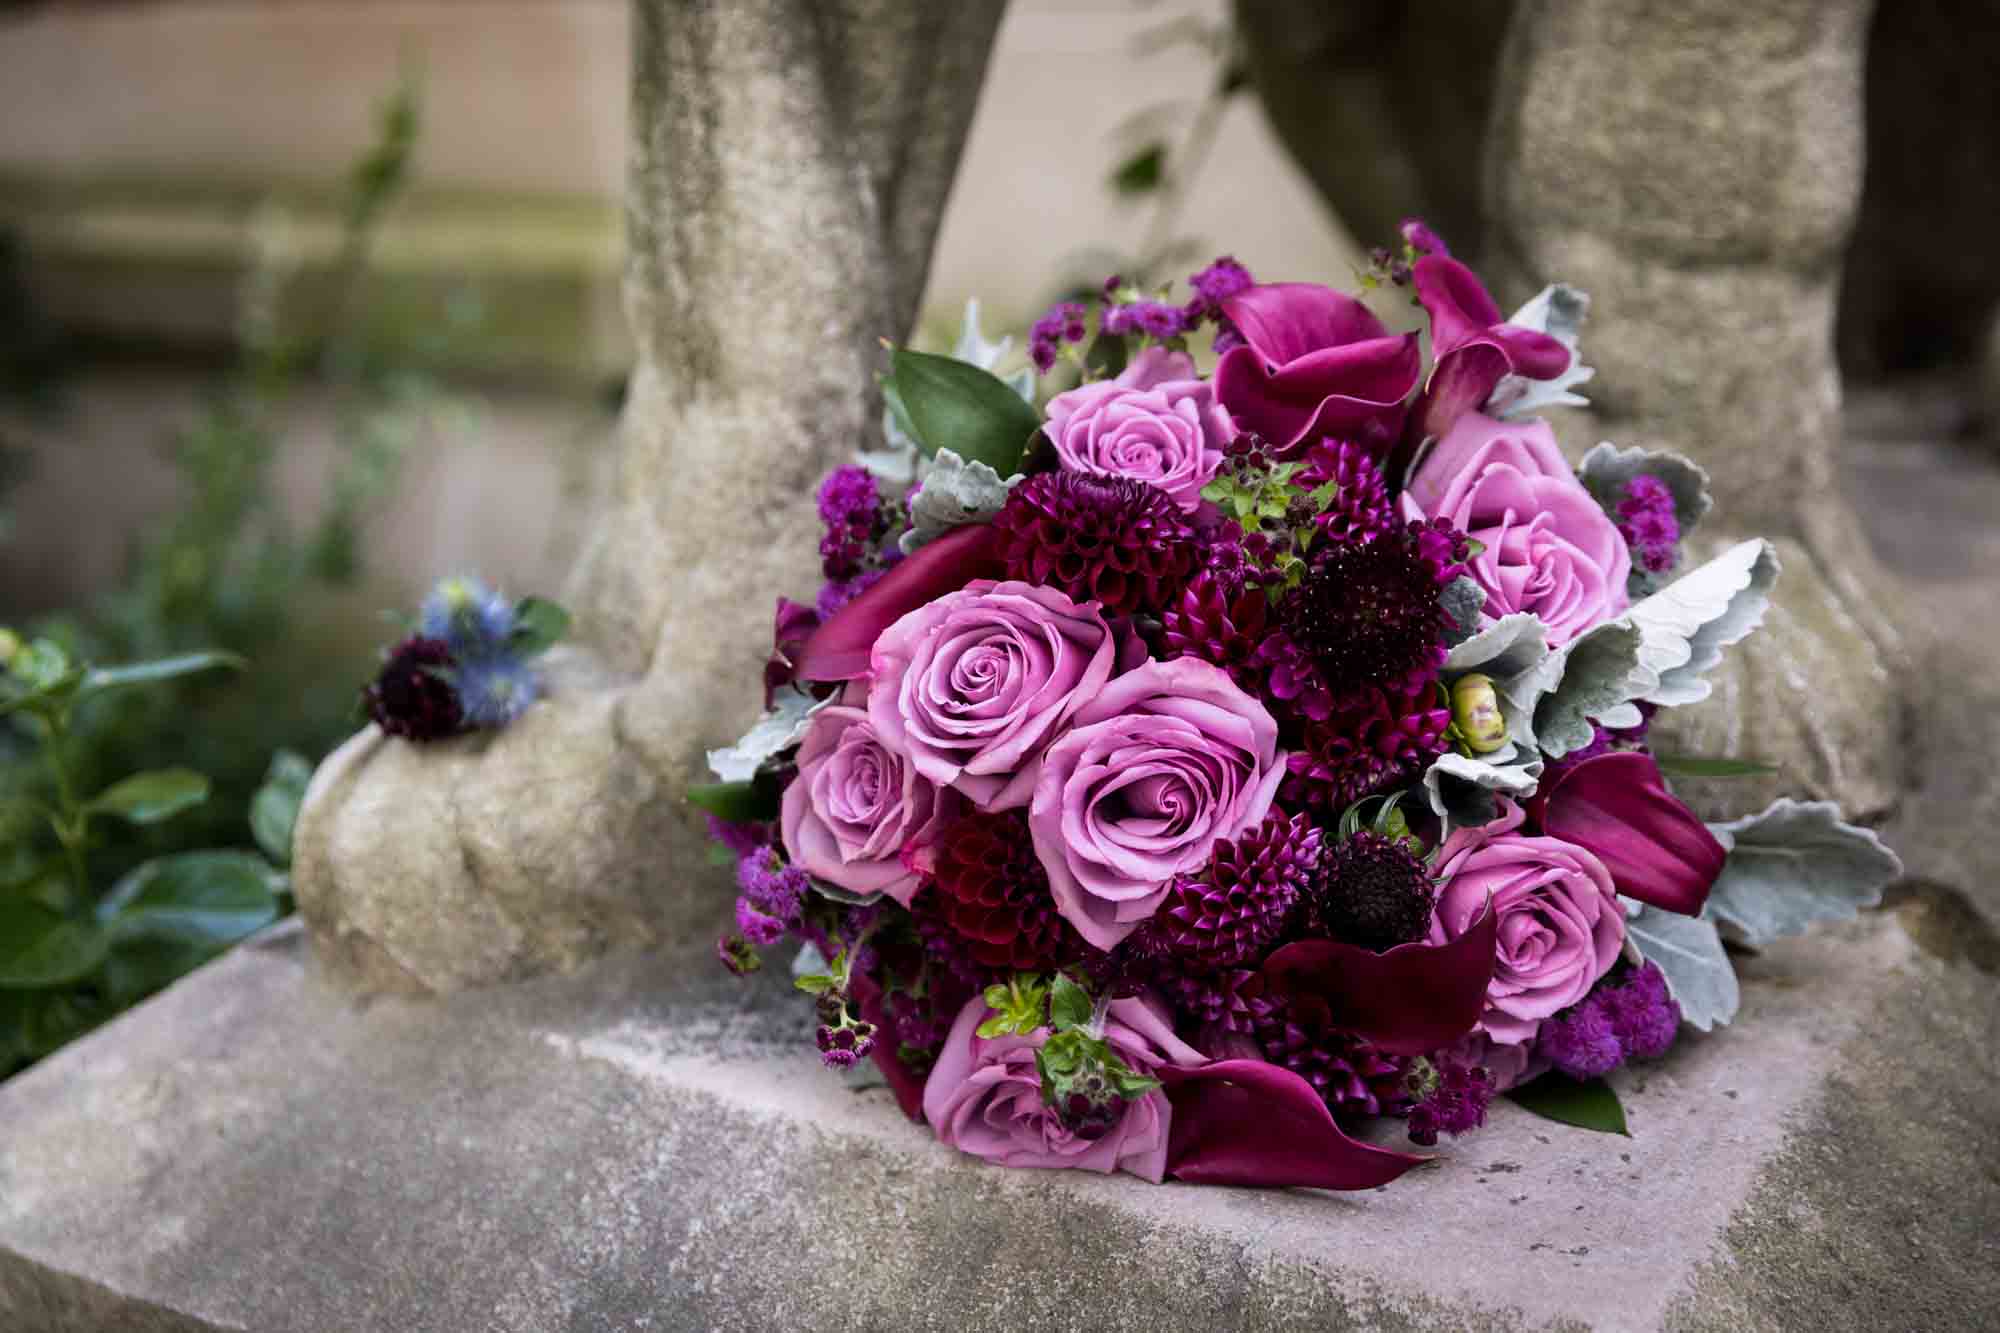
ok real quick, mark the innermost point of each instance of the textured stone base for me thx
(646, 1146)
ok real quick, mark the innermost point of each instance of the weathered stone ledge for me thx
(646, 1146)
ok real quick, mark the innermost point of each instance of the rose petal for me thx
(838, 649)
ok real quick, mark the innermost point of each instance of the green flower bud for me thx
(1475, 713)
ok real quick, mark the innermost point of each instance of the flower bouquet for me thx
(1184, 772)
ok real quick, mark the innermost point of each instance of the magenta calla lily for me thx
(1245, 1122)
(1472, 347)
(1617, 806)
(1314, 363)
(839, 648)
(1407, 1000)
(790, 628)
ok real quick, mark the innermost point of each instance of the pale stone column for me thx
(1695, 167)
(789, 163)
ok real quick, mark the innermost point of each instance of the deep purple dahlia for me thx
(1360, 508)
(1232, 912)
(1369, 741)
(1111, 540)
(1372, 891)
(411, 697)
(995, 894)
(1352, 1077)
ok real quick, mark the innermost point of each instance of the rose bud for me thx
(1475, 712)
(1617, 805)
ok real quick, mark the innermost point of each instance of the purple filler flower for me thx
(1646, 517)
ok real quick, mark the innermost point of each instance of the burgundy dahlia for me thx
(1229, 1000)
(1368, 742)
(1360, 508)
(1373, 891)
(1110, 540)
(1372, 613)
(410, 697)
(995, 894)
(1211, 624)
(1231, 914)
(1352, 1077)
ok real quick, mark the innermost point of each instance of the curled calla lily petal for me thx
(1407, 1000)
(1472, 346)
(1314, 362)
(1246, 1122)
(838, 649)
(1617, 806)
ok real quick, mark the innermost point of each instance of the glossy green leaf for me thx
(738, 802)
(956, 406)
(214, 897)
(148, 798)
(43, 948)
(1587, 1105)
(541, 625)
(1696, 766)
(1107, 355)
(99, 679)
(275, 808)
(1069, 1004)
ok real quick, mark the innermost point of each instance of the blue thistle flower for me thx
(471, 618)
(495, 689)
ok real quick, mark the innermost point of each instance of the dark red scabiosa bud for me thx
(411, 696)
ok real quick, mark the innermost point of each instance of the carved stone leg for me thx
(1696, 167)
(790, 160)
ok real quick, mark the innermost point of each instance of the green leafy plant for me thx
(71, 955)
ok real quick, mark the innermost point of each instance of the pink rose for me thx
(1155, 423)
(1162, 763)
(855, 805)
(1560, 923)
(1550, 549)
(973, 686)
(984, 1097)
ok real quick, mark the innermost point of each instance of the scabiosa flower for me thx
(995, 894)
(1370, 741)
(468, 617)
(1646, 517)
(1451, 1099)
(1064, 323)
(1360, 508)
(495, 688)
(1232, 912)
(1372, 891)
(1110, 540)
(1372, 613)
(1352, 1077)
(412, 696)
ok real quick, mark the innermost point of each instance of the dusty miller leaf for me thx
(1794, 866)
(1512, 652)
(778, 730)
(1587, 679)
(1686, 625)
(1463, 601)
(1558, 311)
(1689, 954)
(955, 493)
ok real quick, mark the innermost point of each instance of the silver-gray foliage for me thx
(1689, 954)
(955, 493)
(1794, 866)
(1558, 311)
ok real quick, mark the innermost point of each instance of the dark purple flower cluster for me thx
(1111, 540)
(1064, 323)
(1454, 1103)
(1646, 517)
(1630, 1018)
(850, 505)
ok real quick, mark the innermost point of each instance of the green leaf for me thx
(212, 897)
(737, 802)
(960, 407)
(1107, 355)
(814, 983)
(1142, 172)
(43, 948)
(542, 624)
(1069, 1005)
(1697, 766)
(275, 808)
(1589, 1105)
(40, 678)
(148, 798)
(1019, 1006)
(99, 679)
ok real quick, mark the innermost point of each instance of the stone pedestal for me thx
(652, 1147)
